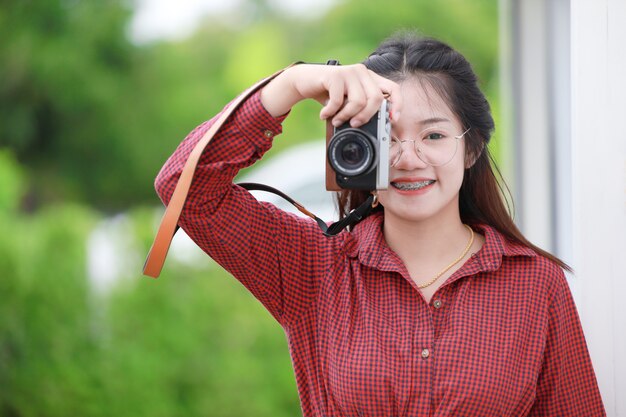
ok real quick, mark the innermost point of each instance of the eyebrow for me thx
(433, 120)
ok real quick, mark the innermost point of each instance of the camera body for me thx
(358, 158)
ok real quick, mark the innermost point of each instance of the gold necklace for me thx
(456, 261)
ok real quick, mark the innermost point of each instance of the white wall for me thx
(564, 79)
(598, 90)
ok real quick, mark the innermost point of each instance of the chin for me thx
(410, 214)
(413, 211)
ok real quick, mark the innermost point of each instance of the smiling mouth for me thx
(412, 186)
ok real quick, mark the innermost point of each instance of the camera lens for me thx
(351, 152)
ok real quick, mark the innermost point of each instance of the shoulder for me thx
(518, 262)
(541, 272)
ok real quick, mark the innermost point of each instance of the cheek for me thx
(450, 180)
(383, 196)
(453, 170)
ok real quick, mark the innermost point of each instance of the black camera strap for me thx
(351, 219)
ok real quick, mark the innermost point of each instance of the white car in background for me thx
(298, 172)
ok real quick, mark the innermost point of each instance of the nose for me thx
(408, 159)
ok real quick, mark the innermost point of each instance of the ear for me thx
(472, 156)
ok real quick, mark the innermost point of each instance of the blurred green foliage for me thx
(93, 116)
(181, 346)
(86, 120)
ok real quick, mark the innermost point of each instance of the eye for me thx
(434, 136)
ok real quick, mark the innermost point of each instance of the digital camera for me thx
(358, 158)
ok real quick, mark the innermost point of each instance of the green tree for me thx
(93, 116)
(63, 71)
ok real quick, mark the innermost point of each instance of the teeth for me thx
(411, 186)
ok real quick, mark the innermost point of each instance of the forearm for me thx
(242, 140)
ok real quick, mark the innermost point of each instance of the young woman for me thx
(435, 304)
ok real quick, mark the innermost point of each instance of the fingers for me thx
(363, 100)
(336, 98)
(392, 92)
(355, 94)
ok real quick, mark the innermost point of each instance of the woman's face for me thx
(419, 191)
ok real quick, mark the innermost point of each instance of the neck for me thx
(424, 241)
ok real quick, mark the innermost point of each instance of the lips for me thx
(411, 185)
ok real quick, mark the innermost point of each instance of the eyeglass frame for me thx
(417, 149)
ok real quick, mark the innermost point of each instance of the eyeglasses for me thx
(435, 146)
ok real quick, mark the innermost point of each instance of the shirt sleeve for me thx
(567, 384)
(276, 255)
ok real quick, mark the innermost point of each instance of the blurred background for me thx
(94, 96)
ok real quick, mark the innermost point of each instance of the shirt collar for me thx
(496, 247)
(368, 244)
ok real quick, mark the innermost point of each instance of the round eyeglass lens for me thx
(435, 152)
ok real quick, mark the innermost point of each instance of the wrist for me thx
(280, 95)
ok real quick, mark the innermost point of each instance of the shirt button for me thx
(437, 303)
(268, 133)
(425, 354)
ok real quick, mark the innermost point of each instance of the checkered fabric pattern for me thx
(501, 337)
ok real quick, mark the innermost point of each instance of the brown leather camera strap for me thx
(169, 222)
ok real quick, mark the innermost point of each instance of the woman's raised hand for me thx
(350, 92)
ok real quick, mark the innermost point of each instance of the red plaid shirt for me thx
(501, 337)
